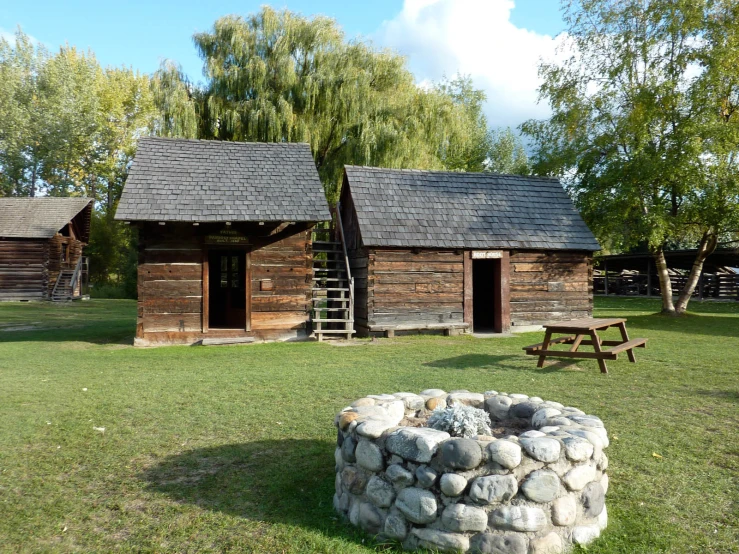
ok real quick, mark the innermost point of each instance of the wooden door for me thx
(227, 306)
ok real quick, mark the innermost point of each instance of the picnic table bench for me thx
(584, 332)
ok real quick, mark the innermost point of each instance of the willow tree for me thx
(277, 76)
(635, 126)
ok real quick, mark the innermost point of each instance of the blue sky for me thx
(497, 42)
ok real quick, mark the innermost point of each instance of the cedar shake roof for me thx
(37, 218)
(433, 209)
(210, 181)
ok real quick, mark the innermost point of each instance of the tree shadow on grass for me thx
(280, 481)
(731, 395)
(479, 361)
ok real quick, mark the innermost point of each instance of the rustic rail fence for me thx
(710, 286)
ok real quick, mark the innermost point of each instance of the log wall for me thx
(414, 288)
(550, 286)
(170, 285)
(405, 287)
(24, 272)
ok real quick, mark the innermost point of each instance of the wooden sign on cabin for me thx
(487, 254)
(227, 237)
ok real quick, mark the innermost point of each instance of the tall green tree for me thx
(277, 76)
(507, 153)
(635, 125)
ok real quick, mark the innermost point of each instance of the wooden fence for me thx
(716, 286)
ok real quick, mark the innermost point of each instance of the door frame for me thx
(205, 308)
(501, 291)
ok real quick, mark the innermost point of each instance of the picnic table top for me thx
(584, 324)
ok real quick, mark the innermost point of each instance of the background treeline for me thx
(70, 127)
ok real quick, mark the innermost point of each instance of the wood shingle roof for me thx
(211, 181)
(39, 217)
(433, 209)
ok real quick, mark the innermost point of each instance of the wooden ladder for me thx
(333, 288)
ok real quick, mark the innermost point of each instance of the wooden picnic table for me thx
(584, 332)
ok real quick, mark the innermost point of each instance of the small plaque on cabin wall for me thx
(487, 254)
(226, 236)
(266, 284)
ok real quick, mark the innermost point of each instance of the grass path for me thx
(230, 449)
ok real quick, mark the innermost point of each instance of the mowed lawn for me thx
(230, 449)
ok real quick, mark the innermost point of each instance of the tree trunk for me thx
(665, 284)
(706, 248)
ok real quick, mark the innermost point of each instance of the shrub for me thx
(460, 421)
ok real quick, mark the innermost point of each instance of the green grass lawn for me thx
(230, 449)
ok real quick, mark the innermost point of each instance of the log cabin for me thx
(224, 239)
(41, 245)
(461, 252)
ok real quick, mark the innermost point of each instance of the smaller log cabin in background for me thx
(463, 251)
(224, 232)
(40, 237)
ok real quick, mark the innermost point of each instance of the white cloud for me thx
(9, 36)
(476, 38)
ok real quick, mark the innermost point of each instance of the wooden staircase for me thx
(66, 284)
(333, 288)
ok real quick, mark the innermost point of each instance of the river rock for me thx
(462, 518)
(505, 453)
(369, 456)
(370, 518)
(593, 499)
(473, 399)
(518, 518)
(493, 488)
(587, 421)
(363, 402)
(417, 505)
(400, 476)
(564, 511)
(426, 477)
(543, 449)
(594, 439)
(487, 543)
(541, 486)
(374, 428)
(353, 480)
(348, 448)
(446, 542)
(524, 410)
(585, 534)
(542, 415)
(498, 407)
(579, 476)
(548, 544)
(380, 492)
(417, 444)
(452, 484)
(604, 483)
(432, 393)
(577, 449)
(395, 526)
(461, 454)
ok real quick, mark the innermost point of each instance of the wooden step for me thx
(333, 331)
(331, 309)
(329, 278)
(325, 299)
(331, 289)
(333, 321)
(223, 341)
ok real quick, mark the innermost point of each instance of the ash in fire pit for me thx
(522, 476)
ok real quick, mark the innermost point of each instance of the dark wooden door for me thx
(227, 289)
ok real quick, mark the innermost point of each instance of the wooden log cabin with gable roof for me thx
(41, 243)
(225, 248)
(463, 251)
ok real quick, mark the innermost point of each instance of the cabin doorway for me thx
(227, 289)
(485, 277)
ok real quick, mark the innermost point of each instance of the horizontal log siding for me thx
(407, 288)
(170, 283)
(24, 273)
(286, 266)
(170, 286)
(550, 286)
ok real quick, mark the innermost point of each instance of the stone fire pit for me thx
(535, 484)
